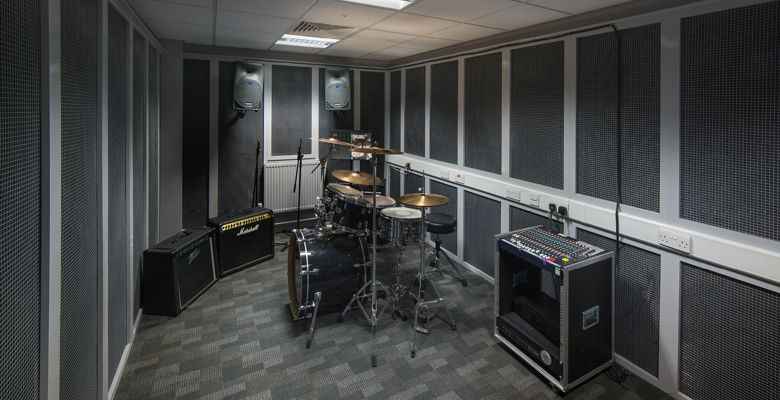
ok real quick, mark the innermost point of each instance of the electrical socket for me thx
(459, 177)
(444, 174)
(513, 194)
(534, 199)
(674, 240)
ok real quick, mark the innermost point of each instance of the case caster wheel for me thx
(464, 283)
(413, 353)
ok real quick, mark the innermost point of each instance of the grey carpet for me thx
(237, 341)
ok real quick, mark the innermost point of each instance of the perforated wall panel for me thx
(395, 184)
(729, 118)
(450, 240)
(519, 219)
(444, 112)
(482, 116)
(597, 91)
(395, 110)
(482, 223)
(372, 113)
(117, 189)
(139, 159)
(20, 191)
(414, 112)
(80, 298)
(153, 143)
(238, 137)
(536, 114)
(291, 121)
(729, 338)
(413, 183)
(637, 301)
(195, 143)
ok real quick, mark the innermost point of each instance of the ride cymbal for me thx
(331, 141)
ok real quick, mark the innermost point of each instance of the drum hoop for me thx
(291, 282)
(393, 217)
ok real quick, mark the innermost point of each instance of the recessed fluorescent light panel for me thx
(394, 4)
(306, 41)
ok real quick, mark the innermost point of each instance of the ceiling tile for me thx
(465, 32)
(519, 16)
(346, 14)
(344, 51)
(286, 9)
(576, 7)
(254, 22)
(245, 38)
(458, 10)
(161, 10)
(426, 43)
(392, 53)
(387, 37)
(413, 24)
(295, 49)
(201, 3)
(366, 41)
(190, 33)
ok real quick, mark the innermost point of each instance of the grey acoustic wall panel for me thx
(729, 118)
(637, 301)
(395, 110)
(80, 325)
(413, 183)
(238, 138)
(394, 190)
(117, 189)
(153, 145)
(291, 120)
(450, 240)
(372, 113)
(536, 114)
(195, 143)
(342, 119)
(482, 223)
(20, 194)
(597, 91)
(729, 338)
(414, 112)
(139, 160)
(482, 116)
(444, 112)
(519, 219)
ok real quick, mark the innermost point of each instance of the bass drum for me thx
(332, 262)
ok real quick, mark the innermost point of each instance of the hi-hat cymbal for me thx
(355, 177)
(374, 150)
(331, 141)
(423, 200)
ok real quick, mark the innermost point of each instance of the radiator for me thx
(278, 188)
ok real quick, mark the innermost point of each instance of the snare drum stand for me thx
(372, 317)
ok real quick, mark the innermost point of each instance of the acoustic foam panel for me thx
(413, 183)
(372, 113)
(536, 114)
(80, 324)
(117, 189)
(395, 184)
(291, 120)
(597, 93)
(450, 240)
(729, 118)
(195, 143)
(335, 120)
(444, 112)
(729, 337)
(20, 191)
(238, 138)
(395, 110)
(519, 219)
(414, 112)
(482, 117)
(637, 301)
(482, 223)
(139, 160)
(153, 143)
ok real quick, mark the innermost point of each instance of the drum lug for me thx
(307, 271)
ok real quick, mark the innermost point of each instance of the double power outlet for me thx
(674, 240)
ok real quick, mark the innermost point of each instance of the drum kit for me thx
(329, 267)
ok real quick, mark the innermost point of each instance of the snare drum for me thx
(332, 262)
(400, 223)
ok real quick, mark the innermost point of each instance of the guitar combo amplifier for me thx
(177, 270)
(244, 238)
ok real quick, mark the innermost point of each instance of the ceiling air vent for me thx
(322, 30)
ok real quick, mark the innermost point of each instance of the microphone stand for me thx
(296, 187)
(256, 184)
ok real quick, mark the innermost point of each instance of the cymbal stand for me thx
(322, 208)
(372, 317)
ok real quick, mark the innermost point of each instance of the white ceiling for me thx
(379, 34)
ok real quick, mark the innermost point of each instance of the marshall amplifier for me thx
(177, 270)
(244, 238)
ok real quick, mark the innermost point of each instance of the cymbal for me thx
(374, 150)
(331, 141)
(356, 177)
(423, 200)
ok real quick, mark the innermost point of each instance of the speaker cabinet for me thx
(248, 87)
(337, 86)
(244, 238)
(177, 270)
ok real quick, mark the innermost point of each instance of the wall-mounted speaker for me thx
(337, 90)
(248, 88)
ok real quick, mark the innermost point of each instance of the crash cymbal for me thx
(331, 141)
(355, 177)
(374, 150)
(423, 200)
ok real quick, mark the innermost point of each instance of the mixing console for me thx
(549, 247)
